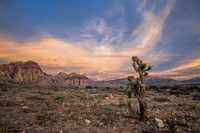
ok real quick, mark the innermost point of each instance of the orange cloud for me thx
(181, 71)
(191, 64)
(56, 53)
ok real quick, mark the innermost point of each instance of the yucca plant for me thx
(137, 86)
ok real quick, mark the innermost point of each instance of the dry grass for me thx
(52, 109)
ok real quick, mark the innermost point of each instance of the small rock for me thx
(25, 107)
(108, 96)
(60, 131)
(159, 123)
(23, 132)
(114, 128)
(100, 124)
(118, 113)
(21, 104)
(87, 122)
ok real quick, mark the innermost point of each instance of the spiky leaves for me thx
(149, 68)
(129, 93)
(138, 88)
(143, 66)
(146, 74)
(130, 78)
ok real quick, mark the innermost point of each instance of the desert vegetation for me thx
(137, 87)
(64, 109)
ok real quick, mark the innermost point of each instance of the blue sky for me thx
(98, 38)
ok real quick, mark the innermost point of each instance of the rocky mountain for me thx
(122, 82)
(191, 81)
(25, 72)
(30, 73)
(72, 79)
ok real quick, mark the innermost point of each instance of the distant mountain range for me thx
(30, 73)
(154, 81)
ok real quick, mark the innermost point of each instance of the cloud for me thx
(187, 65)
(102, 49)
(141, 6)
(98, 30)
(149, 32)
(186, 70)
(57, 55)
(106, 30)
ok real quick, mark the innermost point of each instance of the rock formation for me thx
(72, 79)
(30, 73)
(24, 72)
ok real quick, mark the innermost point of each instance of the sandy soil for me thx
(37, 109)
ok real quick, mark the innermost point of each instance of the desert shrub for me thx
(185, 91)
(104, 119)
(151, 87)
(173, 122)
(45, 117)
(175, 87)
(122, 104)
(108, 88)
(196, 96)
(165, 87)
(58, 98)
(83, 97)
(2, 85)
(175, 92)
(36, 97)
(88, 87)
(162, 99)
(4, 89)
(182, 91)
(161, 91)
(3, 128)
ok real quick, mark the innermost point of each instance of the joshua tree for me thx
(137, 87)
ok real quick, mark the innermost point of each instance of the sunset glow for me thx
(78, 36)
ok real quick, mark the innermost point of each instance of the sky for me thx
(97, 38)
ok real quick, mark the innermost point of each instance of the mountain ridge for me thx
(30, 73)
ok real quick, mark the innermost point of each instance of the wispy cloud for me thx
(186, 69)
(53, 53)
(103, 30)
(150, 30)
(141, 6)
(99, 30)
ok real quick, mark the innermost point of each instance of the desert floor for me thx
(36, 109)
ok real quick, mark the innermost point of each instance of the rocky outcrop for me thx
(25, 72)
(30, 73)
(72, 79)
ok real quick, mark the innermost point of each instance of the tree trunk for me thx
(143, 108)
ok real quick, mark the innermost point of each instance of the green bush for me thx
(122, 104)
(175, 92)
(58, 98)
